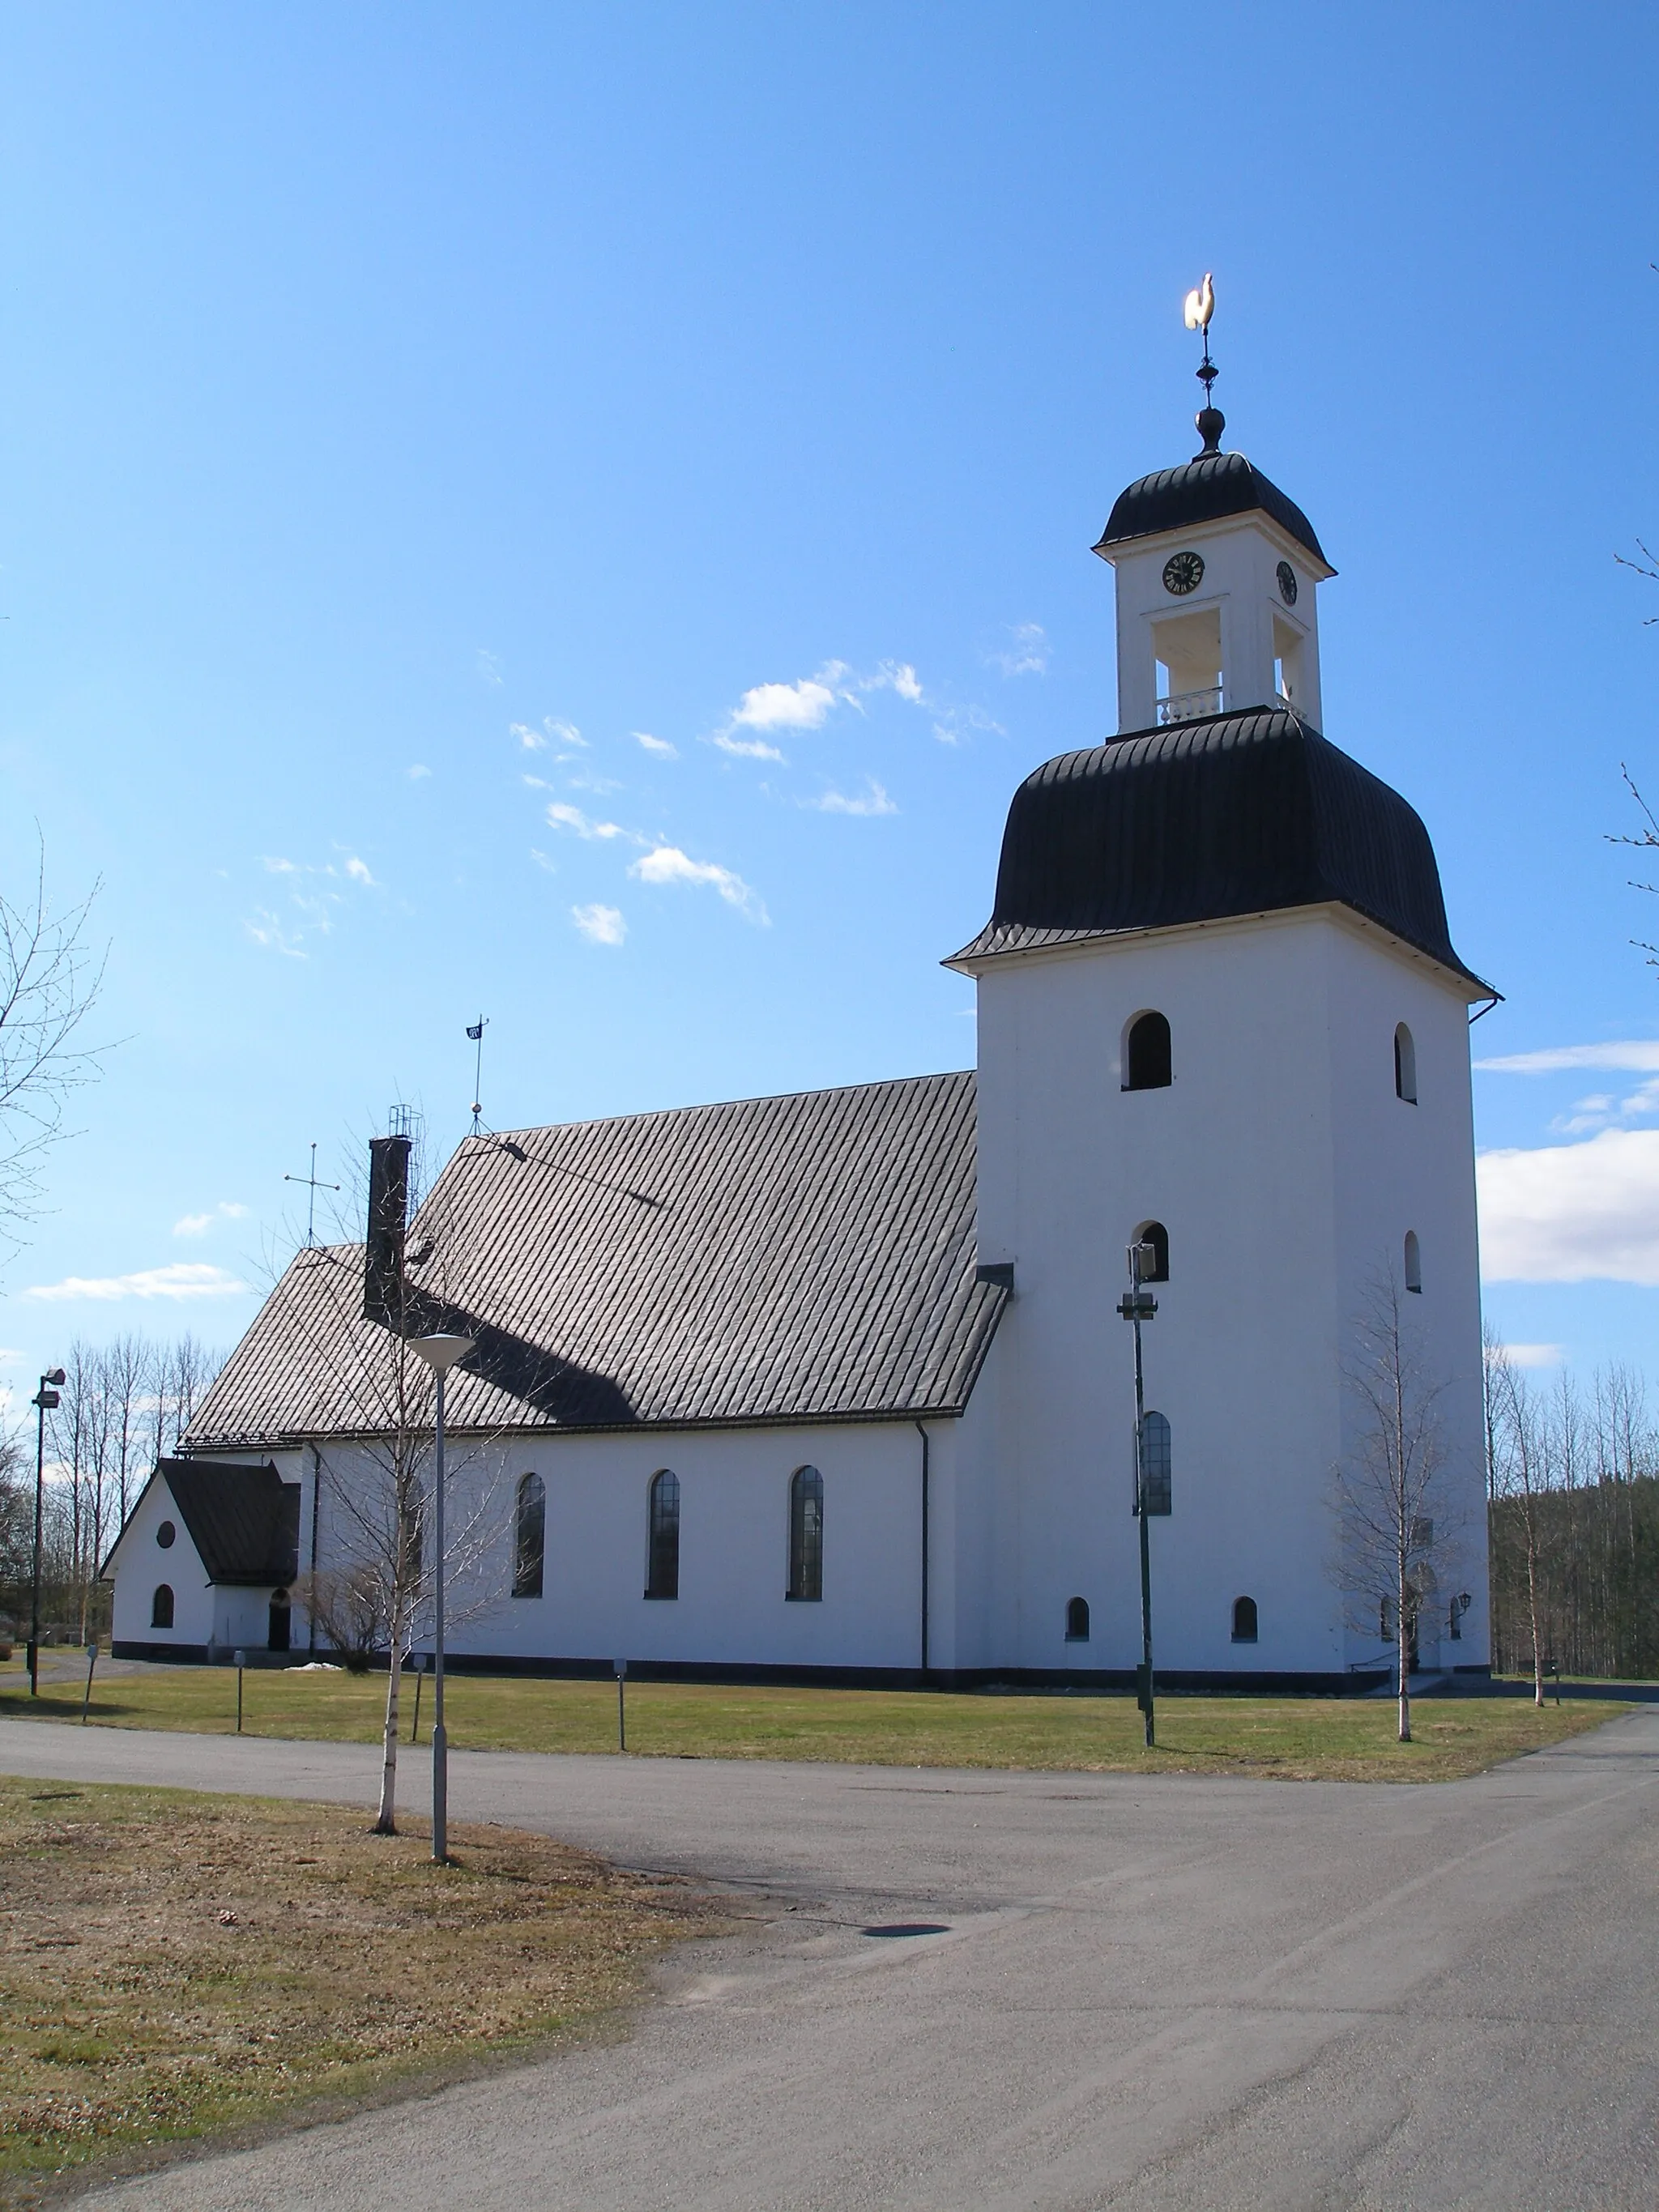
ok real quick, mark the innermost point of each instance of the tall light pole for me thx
(441, 1353)
(46, 1400)
(1138, 1305)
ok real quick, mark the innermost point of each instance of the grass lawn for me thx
(172, 1965)
(1340, 1739)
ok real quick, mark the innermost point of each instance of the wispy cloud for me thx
(553, 732)
(265, 929)
(666, 864)
(417, 771)
(1572, 1213)
(560, 815)
(310, 897)
(489, 668)
(184, 1278)
(358, 872)
(1633, 1055)
(197, 1225)
(872, 800)
(544, 861)
(1026, 653)
(658, 748)
(600, 925)
(768, 710)
(1536, 1355)
(746, 748)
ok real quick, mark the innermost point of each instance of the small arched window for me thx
(1147, 1062)
(1413, 1262)
(530, 1536)
(1153, 1233)
(662, 1571)
(161, 1607)
(1077, 1620)
(1244, 1621)
(1155, 1461)
(1404, 1066)
(806, 1535)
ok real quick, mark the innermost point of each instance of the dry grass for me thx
(1299, 1738)
(172, 1965)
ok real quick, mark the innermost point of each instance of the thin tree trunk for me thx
(1402, 1636)
(386, 1822)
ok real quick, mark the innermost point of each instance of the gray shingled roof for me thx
(803, 1258)
(243, 1521)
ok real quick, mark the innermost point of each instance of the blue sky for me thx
(448, 453)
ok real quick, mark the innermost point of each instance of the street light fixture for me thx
(46, 1400)
(441, 1353)
(1138, 1305)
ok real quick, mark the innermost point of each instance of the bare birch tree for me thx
(49, 976)
(1518, 1471)
(1391, 1491)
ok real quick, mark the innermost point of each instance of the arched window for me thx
(1404, 1066)
(662, 1571)
(530, 1536)
(280, 1627)
(1147, 1054)
(161, 1607)
(1155, 1234)
(1244, 1621)
(1077, 1620)
(1155, 1456)
(1413, 1262)
(806, 1535)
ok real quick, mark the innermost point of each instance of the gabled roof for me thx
(1235, 814)
(1204, 490)
(803, 1258)
(243, 1521)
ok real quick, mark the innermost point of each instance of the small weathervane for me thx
(475, 1036)
(1198, 308)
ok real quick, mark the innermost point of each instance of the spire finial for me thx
(1209, 421)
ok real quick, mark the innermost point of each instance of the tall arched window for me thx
(1077, 1620)
(161, 1607)
(1413, 1262)
(806, 1535)
(1158, 1236)
(530, 1536)
(1147, 1054)
(662, 1571)
(1244, 1621)
(1155, 1456)
(1404, 1066)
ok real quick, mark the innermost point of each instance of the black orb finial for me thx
(1209, 423)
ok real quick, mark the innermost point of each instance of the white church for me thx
(833, 1386)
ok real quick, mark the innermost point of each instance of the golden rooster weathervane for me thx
(1199, 306)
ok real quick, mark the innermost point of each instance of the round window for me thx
(165, 1534)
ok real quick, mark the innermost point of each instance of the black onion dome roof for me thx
(1235, 814)
(1203, 491)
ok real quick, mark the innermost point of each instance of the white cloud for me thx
(1027, 654)
(801, 705)
(489, 668)
(1536, 1355)
(599, 925)
(666, 864)
(532, 740)
(582, 778)
(873, 800)
(658, 748)
(197, 1225)
(185, 1279)
(542, 861)
(563, 733)
(416, 772)
(746, 748)
(265, 929)
(358, 870)
(1572, 1213)
(1634, 1056)
(562, 817)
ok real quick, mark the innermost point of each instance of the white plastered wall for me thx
(141, 1563)
(1285, 1169)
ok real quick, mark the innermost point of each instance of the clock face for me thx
(1287, 586)
(1183, 573)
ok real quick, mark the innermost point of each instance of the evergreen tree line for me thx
(1573, 1509)
(123, 1405)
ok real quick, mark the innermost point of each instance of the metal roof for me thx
(803, 1258)
(1233, 814)
(243, 1521)
(1204, 490)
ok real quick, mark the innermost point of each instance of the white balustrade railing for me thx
(1189, 706)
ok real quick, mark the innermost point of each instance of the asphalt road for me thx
(1168, 1994)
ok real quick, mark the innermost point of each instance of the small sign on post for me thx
(92, 1661)
(620, 1666)
(417, 1661)
(240, 1658)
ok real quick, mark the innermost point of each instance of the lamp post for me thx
(46, 1400)
(441, 1353)
(1138, 1305)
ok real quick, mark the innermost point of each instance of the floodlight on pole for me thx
(440, 1352)
(46, 1400)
